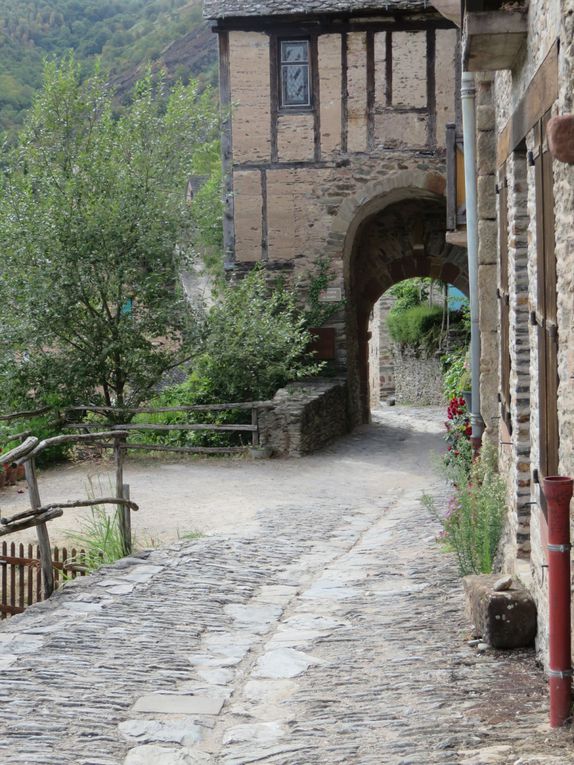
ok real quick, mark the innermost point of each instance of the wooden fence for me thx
(21, 574)
(115, 420)
(28, 578)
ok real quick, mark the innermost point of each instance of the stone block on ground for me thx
(504, 619)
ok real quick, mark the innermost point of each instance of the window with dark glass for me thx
(294, 69)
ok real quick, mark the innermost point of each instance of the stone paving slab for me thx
(325, 634)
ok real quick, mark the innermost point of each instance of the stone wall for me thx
(376, 321)
(487, 254)
(418, 379)
(520, 451)
(306, 417)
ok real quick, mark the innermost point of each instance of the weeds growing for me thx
(100, 535)
(473, 522)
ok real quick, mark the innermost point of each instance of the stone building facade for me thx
(529, 198)
(334, 148)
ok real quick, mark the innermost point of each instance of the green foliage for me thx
(43, 426)
(409, 293)
(317, 312)
(473, 523)
(99, 536)
(256, 342)
(456, 373)
(207, 222)
(418, 327)
(94, 229)
(125, 34)
(194, 390)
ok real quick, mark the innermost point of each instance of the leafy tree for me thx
(94, 228)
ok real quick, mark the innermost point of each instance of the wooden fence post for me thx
(127, 518)
(41, 528)
(255, 423)
(123, 512)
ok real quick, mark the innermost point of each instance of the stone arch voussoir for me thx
(375, 195)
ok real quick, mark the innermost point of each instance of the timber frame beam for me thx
(539, 97)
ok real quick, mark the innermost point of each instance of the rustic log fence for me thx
(38, 515)
(115, 437)
(114, 415)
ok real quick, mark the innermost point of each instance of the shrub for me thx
(472, 525)
(458, 432)
(418, 327)
(256, 342)
(42, 426)
(473, 522)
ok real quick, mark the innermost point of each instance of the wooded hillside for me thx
(126, 34)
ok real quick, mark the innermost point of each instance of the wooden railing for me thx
(114, 436)
(113, 415)
(38, 515)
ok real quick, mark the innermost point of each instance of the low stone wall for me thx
(307, 416)
(418, 379)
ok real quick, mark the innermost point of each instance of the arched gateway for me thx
(394, 230)
(335, 149)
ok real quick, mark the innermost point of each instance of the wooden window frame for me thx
(295, 108)
(545, 315)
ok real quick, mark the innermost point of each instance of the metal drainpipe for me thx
(558, 493)
(468, 92)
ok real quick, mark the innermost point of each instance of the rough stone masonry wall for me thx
(418, 379)
(515, 454)
(386, 361)
(564, 215)
(547, 19)
(306, 417)
(375, 322)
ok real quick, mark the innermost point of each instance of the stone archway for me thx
(394, 236)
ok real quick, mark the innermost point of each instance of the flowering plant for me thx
(458, 431)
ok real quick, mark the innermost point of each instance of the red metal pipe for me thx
(558, 493)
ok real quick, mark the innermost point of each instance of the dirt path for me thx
(222, 495)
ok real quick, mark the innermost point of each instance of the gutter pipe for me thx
(468, 93)
(558, 493)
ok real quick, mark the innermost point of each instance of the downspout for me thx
(469, 137)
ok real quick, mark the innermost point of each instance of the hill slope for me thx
(126, 34)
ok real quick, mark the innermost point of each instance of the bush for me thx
(256, 342)
(473, 522)
(43, 426)
(418, 327)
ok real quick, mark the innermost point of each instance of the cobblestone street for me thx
(318, 633)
